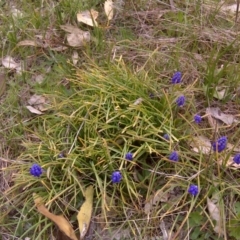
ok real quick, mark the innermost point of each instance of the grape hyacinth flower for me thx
(193, 190)
(220, 144)
(36, 170)
(236, 158)
(180, 101)
(129, 156)
(166, 136)
(197, 118)
(173, 156)
(176, 78)
(116, 177)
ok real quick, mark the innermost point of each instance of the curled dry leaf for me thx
(60, 221)
(138, 101)
(88, 17)
(38, 104)
(201, 144)
(76, 37)
(75, 58)
(36, 99)
(8, 62)
(213, 209)
(85, 212)
(28, 43)
(220, 92)
(34, 110)
(108, 8)
(218, 114)
(159, 196)
(229, 8)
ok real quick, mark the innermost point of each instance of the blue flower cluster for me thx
(36, 170)
(173, 156)
(129, 156)
(116, 177)
(220, 144)
(177, 77)
(193, 190)
(197, 118)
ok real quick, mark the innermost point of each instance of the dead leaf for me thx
(8, 62)
(2, 83)
(60, 221)
(108, 8)
(88, 17)
(78, 40)
(219, 93)
(230, 8)
(218, 114)
(138, 101)
(85, 212)
(36, 100)
(28, 43)
(75, 58)
(76, 37)
(34, 110)
(159, 196)
(201, 144)
(38, 104)
(16, 13)
(39, 78)
(213, 209)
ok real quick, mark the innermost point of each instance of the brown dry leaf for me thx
(230, 163)
(78, 40)
(220, 92)
(213, 122)
(34, 110)
(159, 196)
(38, 104)
(88, 17)
(76, 37)
(36, 99)
(60, 221)
(138, 101)
(233, 148)
(8, 62)
(218, 114)
(85, 212)
(40, 42)
(213, 209)
(28, 43)
(75, 58)
(229, 8)
(201, 144)
(108, 8)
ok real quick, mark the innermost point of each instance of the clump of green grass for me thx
(86, 136)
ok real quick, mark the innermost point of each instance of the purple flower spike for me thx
(236, 158)
(129, 156)
(173, 156)
(36, 170)
(166, 136)
(176, 78)
(116, 177)
(220, 144)
(197, 118)
(193, 190)
(180, 101)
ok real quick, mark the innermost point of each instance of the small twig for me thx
(236, 18)
(172, 5)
